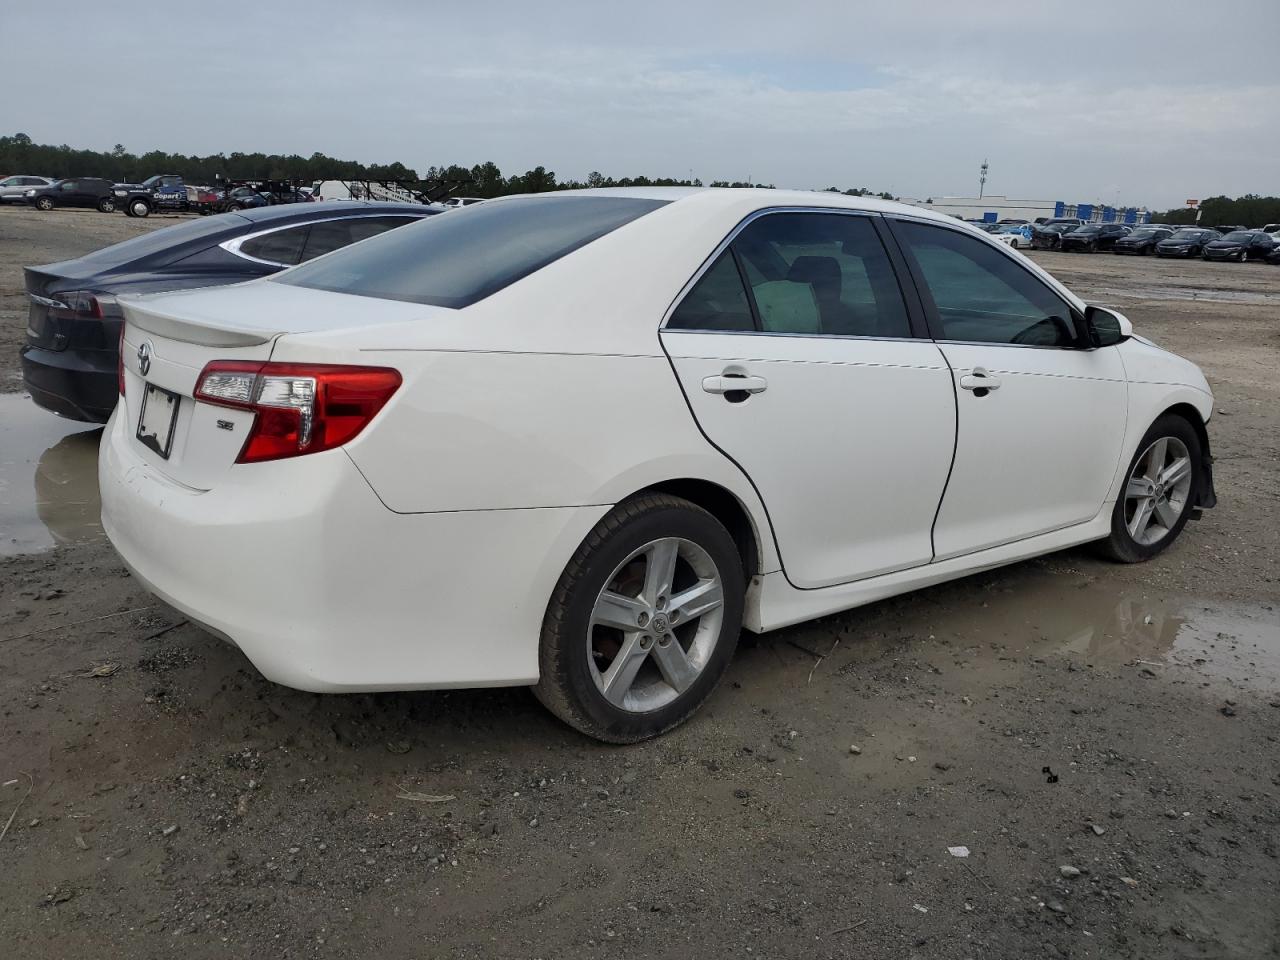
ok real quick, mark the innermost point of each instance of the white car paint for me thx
(423, 552)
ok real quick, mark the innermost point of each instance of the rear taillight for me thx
(300, 407)
(98, 306)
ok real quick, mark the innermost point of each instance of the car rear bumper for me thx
(71, 384)
(299, 564)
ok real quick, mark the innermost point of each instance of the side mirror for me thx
(1106, 327)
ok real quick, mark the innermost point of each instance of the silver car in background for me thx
(13, 188)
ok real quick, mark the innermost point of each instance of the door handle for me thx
(730, 383)
(980, 382)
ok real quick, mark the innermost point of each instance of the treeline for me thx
(18, 154)
(1250, 210)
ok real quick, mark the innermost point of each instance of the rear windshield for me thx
(1239, 236)
(465, 256)
(165, 237)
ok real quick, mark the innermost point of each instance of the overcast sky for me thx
(1145, 101)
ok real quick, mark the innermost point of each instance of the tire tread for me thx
(551, 690)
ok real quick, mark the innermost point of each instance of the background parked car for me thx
(1016, 235)
(1048, 236)
(163, 192)
(1142, 240)
(264, 195)
(13, 189)
(1240, 245)
(73, 335)
(1093, 237)
(74, 192)
(1187, 242)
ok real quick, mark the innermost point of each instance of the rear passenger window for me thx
(718, 301)
(982, 294)
(808, 273)
(333, 234)
(282, 247)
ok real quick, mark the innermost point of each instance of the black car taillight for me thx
(85, 304)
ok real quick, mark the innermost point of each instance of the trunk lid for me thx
(170, 338)
(45, 310)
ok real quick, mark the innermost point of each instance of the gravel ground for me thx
(1102, 740)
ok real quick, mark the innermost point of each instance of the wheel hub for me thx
(655, 624)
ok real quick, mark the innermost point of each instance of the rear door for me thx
(1041, 422)
(796, 350)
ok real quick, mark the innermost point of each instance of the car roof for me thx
(748, 199)
(284, 211)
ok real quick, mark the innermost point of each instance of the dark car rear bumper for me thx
(78, 386)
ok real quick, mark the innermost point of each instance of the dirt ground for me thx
(1104, 740)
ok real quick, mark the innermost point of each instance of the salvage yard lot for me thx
(1121, 721)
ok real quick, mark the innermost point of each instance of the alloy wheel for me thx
(1158, 490)
(655, 624)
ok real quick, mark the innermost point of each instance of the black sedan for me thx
(73, 330)
(1186, 242)
(1142, 240)
(1094, 237)
(1049, 236)
(1240, 245)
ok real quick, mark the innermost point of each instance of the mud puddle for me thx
(1102, 623)
(48, 478)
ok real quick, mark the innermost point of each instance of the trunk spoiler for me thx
(204, 332)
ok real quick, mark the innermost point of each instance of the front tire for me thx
(1160, 491)
(139, 208)
(643, 622)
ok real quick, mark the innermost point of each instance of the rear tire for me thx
(106, 205)
(44, 203)
(664, 657)
(1158, 496)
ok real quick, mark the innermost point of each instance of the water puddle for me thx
(1103, 623)
(48, 478)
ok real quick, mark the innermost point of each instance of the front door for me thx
(798, 359)
(1041, 422)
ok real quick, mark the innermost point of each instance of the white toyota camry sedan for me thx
(579, 441)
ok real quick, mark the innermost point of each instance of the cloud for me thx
(1075, 100)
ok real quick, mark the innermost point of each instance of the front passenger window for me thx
(982, 295)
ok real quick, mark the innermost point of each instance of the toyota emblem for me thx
(144, 357)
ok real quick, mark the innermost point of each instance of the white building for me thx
(995, 208)
(992, 208)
